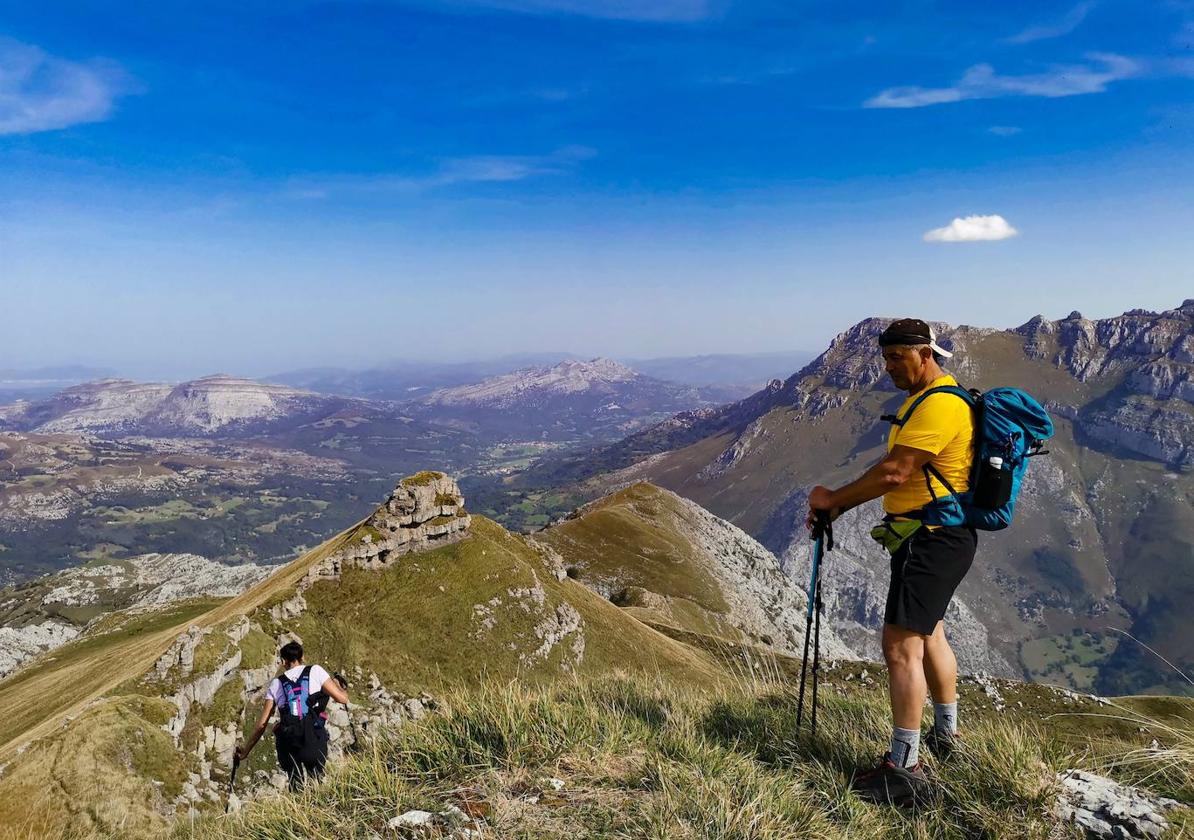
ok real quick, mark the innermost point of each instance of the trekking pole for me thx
(232, 781)
(822, 530)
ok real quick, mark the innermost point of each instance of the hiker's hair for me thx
(936, 357)
(291, 652)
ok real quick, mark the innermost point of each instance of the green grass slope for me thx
(641, 759)
(636, 538)
(473, 611)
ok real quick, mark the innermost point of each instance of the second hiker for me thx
(932, 449)
(300, 694)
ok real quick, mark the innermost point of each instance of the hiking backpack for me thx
(303, 718)
(1009, 428)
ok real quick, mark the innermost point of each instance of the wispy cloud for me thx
(982, 82)
(660, 11)
(40, 92)
(973, 229)
(1005, 130)
(473, 169)
(1042, 32)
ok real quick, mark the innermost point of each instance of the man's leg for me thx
(941, 673)
(904, 652)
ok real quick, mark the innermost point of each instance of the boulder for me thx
(1107, 810)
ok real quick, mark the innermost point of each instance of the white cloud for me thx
(40, 92)
(973, 229)
(660, 11)
(472, 169)
(982, 82)
(1005, 130)
(1067, 24)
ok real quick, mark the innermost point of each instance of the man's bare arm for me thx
(335, 690)
(244, 749)
(900, 464)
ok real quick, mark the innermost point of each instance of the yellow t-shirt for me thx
(944, 425)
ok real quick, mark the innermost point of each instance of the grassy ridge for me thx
(643, 759)
(418, 623)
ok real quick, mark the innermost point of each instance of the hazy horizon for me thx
(149, 369)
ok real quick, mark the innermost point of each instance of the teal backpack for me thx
(1009, 428)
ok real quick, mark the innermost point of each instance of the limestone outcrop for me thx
(425, 510)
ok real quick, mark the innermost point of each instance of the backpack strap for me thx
(956, 390)
(931, 472)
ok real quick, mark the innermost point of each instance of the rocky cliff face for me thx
(1145, 363)
(769, 604)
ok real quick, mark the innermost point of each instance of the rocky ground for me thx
(51, 611)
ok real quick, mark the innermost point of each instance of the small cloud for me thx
(40, 92)
(472, 169)
(1067, 24)
(1005, 130)
(973, 229)
(982, 82)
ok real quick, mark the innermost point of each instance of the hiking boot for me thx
(888, 784)
(941, 744)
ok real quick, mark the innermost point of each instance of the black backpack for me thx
(302, 730)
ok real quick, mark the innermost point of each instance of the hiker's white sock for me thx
(945, 718)
(905, 747)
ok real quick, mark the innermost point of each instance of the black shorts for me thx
(925, 571)
(305, 763)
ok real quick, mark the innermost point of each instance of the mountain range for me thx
(235, 470)
(737, 373)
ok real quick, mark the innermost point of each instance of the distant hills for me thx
(214, 404)
(38, 383)
(236, 470)
(572, 400)
(738, 373)
(405, 380)
(733, 369)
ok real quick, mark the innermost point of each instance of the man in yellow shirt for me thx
(933, 448)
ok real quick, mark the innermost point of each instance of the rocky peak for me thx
(418, 500)
(1110, 346)
(568, 377)
(425, 510)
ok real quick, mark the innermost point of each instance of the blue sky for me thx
(262, 185)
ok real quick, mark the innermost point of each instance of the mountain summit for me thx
(568, 377)
(572, 400)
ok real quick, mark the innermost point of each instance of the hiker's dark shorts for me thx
(298, 769)
(925, 571)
